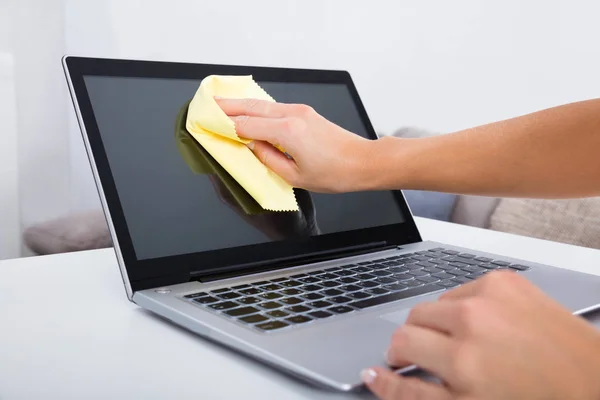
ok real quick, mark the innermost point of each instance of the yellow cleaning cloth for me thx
(215, 131)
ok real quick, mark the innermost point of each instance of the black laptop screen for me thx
(176, 199)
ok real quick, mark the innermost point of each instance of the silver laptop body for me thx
(314, 304)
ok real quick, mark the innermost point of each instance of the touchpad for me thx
(397, 317)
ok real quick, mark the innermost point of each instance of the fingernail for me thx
(368, 375)
(250, 145)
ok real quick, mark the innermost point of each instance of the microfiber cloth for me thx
(215, 132)
(201, 162)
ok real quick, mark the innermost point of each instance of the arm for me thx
(550, 153)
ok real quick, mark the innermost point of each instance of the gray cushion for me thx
(75, 232)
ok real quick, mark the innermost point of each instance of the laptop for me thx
(316, 293)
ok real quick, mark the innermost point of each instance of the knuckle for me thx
(303, 110)
(252, 104)
(292, 125)
(471, 311)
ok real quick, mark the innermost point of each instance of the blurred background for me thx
(433, 64)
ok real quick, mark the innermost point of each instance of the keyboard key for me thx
(420, 258)
(311, 288)
(312, 296)
(291, 292)
(270, 296)
(260, 283)
(333, 269)
(448, 283)
(474, 275)
(427, 279)
(253, 319)
(472, 268)
(270, 305)
(330, 284)
(290, 283)
(248, 300)
(426, 264)
(365, 263)
(298, 319)
(443, 275)
(320, 304)
(310, 279)
(377, 267)
(291, 301)
(403, 277)
(377, 291)
(470, 261)
(224, 305)
(459, 264)
(332, 292)
(298, 309)
(466, 255)
(320, 314)
(194, 295)
(387, 298)
(358, 295)
(414, 282)
(365, 277)
(361, 270)
(397, 270)
(348, 280)
(501, 263)
(220, 290)
(412, 267)
(345, 272)
(238, 287)
(205, 300)
(340, 299)
(229, 295)
(519, 267)
(271, 287)
(298, 276)
(438, 249)
(446, 267)
(277, 314)
(368, 284)
(488, 266)
(350, 288)
(385, 280)
(483, 259)
(418, 273)
(451, 252)
(251, 291)
(395, 287)
(315, 273)
(422, 253)
(382, 273)
(433, 270)
(457, 272)
(279, 280)
(236, 312)
(327, 276)
(272, 325)
(392, 263)
(340, 309)
(461, 279)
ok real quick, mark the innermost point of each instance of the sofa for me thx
(573, 221)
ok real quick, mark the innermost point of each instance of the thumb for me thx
(275, 160)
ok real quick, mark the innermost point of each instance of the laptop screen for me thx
(176, 199)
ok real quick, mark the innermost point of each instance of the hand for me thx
(496, 338)
(325, 157)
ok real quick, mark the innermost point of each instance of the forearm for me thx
(554, 153)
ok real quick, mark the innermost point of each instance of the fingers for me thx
(426, 348)
(272, 130)
(253, 107)
(276, 161)
(440, 316)
(390, 386)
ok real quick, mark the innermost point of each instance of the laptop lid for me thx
(175, 214)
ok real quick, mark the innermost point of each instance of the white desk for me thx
(68, 331)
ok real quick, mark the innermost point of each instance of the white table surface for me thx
(67, 330)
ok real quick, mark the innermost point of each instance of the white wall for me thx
(438, 64)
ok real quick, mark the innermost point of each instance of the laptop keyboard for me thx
(280, 303)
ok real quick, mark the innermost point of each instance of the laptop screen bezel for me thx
(149, 273)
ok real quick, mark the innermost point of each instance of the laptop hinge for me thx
(287, 262)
